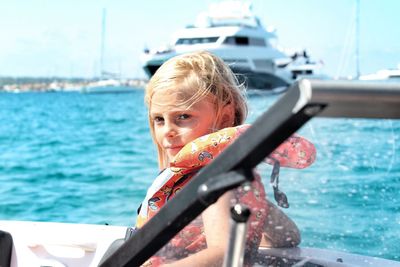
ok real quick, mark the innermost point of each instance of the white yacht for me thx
(383, 75)
(106, 86)
(231, 31)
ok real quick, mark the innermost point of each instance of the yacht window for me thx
(236, 40)
(229, 40)
(241, 40)
(257, 42)
(201, 40)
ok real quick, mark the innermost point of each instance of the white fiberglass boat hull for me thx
(59, 244)
(66, 244)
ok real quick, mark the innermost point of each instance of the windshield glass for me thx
(348, 199)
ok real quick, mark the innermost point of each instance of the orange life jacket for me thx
(296, 152)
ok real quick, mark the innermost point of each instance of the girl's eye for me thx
(183, 116)
(158, 119)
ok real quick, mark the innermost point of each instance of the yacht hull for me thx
(252, 79)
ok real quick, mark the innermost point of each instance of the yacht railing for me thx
(302, 101)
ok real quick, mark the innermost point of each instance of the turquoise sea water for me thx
(86, 158)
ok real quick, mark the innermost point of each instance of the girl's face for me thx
(175, 125)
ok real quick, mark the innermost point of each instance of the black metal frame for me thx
(303, 100)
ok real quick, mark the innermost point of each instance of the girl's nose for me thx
(170, 129)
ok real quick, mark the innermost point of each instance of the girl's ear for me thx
(227, 118)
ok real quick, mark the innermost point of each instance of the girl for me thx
(190, 96)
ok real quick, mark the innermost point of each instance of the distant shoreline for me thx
(52, 84)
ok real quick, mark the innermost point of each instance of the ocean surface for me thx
(89, 158)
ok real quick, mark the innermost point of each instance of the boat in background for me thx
(106, 87)
(109, 82)
(301, 66)
(389, 75)
(231, 31)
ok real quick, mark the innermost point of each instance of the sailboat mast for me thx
(358, 39)
(103, 34)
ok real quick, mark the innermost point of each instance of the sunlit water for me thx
(89, 158)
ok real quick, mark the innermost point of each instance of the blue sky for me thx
(48, 37)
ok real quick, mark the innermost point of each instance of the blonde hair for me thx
(197, 75)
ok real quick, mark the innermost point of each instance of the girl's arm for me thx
(216, 219)
(279, 229)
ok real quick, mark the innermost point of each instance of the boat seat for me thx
(6, 245)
